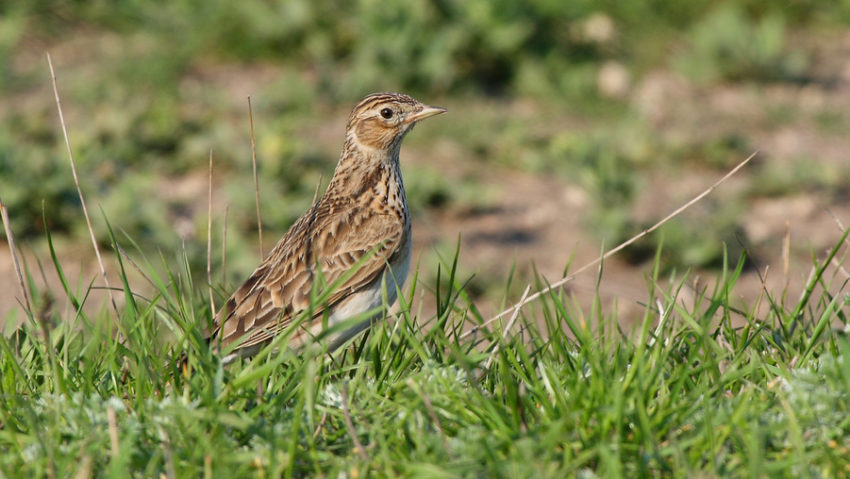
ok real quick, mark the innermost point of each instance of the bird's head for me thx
(381, 120)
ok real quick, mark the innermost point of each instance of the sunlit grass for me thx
(699, 386)
(706, 387)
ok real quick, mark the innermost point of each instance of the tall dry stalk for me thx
(77, 183)
(13, 251)
(256, 180)
(209, 235)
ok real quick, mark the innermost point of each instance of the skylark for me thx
(361, 222)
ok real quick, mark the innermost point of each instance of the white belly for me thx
(370, 298)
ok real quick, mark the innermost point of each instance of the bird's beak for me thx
(425, 112)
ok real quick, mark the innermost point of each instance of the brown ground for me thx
(542, 220)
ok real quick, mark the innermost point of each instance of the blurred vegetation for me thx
(135, 76)
(546, 88)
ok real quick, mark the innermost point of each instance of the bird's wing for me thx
(334, 237)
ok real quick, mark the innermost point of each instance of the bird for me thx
(357, 233)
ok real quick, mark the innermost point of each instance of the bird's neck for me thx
(363, 173)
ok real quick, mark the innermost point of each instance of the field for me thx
(714, 347)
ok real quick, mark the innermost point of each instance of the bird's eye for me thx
(387, 113)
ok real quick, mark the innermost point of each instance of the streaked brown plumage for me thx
(362, 216)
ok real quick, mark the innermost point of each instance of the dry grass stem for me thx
(786, 257)
(837, 221)
(84, 469)
(616, 250)
(840, 267)
(170, 469)
(846, 241)
(349, 424)
(763, 293)
(77, 183)
(209, 236)
(43, 316)
(224, 246)
(113, 433)
(786, 248)
(135, 266)
(320, 425)
(508, 328)
(256, 180)
(10, 239)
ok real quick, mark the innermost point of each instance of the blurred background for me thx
(571, 126)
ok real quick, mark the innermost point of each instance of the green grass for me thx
(707, 387)
(702, 386)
